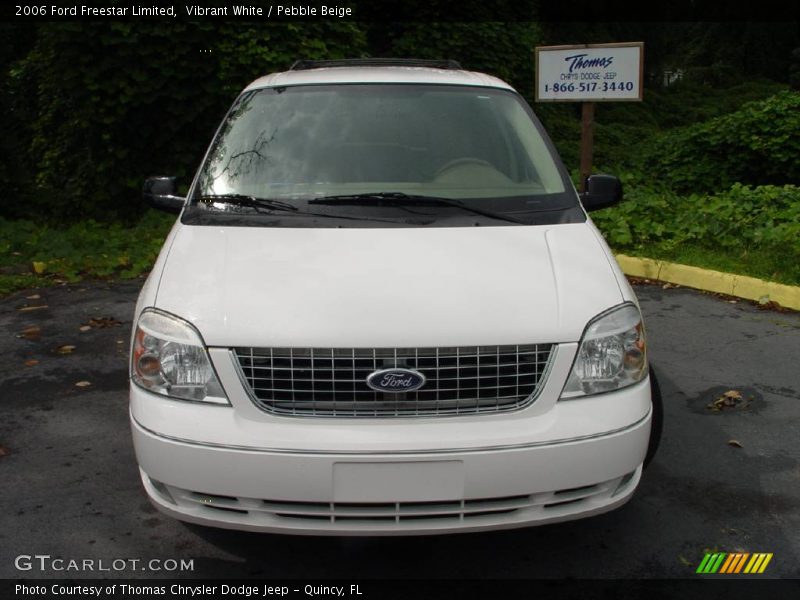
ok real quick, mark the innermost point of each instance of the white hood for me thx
(403, 287)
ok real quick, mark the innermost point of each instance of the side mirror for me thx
(602, 191)
(161, 193)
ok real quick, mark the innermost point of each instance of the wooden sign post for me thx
(587, 142)
(589, 73)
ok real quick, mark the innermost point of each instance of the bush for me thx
(747, 230)
(740, 220)
(624, 129)
(756, 145)
(111, 103)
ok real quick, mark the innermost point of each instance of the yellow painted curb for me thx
(740, 286)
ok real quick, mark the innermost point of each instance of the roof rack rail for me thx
(302, 65)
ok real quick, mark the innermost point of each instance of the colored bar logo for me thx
(731, 563)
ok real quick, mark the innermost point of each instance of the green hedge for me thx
(741, 215)
(756, 145)
(106, 104)
(654, 222)
(634, 135)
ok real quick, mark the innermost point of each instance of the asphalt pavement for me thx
(723, 480)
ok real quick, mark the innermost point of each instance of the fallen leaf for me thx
(34, 297)
(734, 443)
(30, 333)
(103, 322)
(4, 451)
(31, 363)
(85, 327)
(684, 561)
(120, 342)
(38, 267)
(83, 384)
(65, 349)
(728, 399)
(30, 308)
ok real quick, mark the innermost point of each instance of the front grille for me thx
(331, 382)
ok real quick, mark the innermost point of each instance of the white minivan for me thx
(384, 310)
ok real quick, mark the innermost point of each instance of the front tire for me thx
(657, 421)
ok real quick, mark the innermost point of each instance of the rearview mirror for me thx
(602, 191)
(161, 193)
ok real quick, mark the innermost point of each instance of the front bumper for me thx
(240, 468)
(311, 494)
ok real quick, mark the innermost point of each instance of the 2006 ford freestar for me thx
(383, 310)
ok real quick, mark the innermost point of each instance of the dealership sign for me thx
(589, 73)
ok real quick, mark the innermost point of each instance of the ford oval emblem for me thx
(396, 380)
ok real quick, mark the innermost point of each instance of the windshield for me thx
(477, 146)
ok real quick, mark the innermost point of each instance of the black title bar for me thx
(405, 10)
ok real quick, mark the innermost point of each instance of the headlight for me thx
(169, 358)
(612, 354)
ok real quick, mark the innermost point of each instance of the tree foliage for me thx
(502, 49)
(92, 108)
(106, 104)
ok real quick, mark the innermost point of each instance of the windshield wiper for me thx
(272, 205)
(402, 199)
(248, 201)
